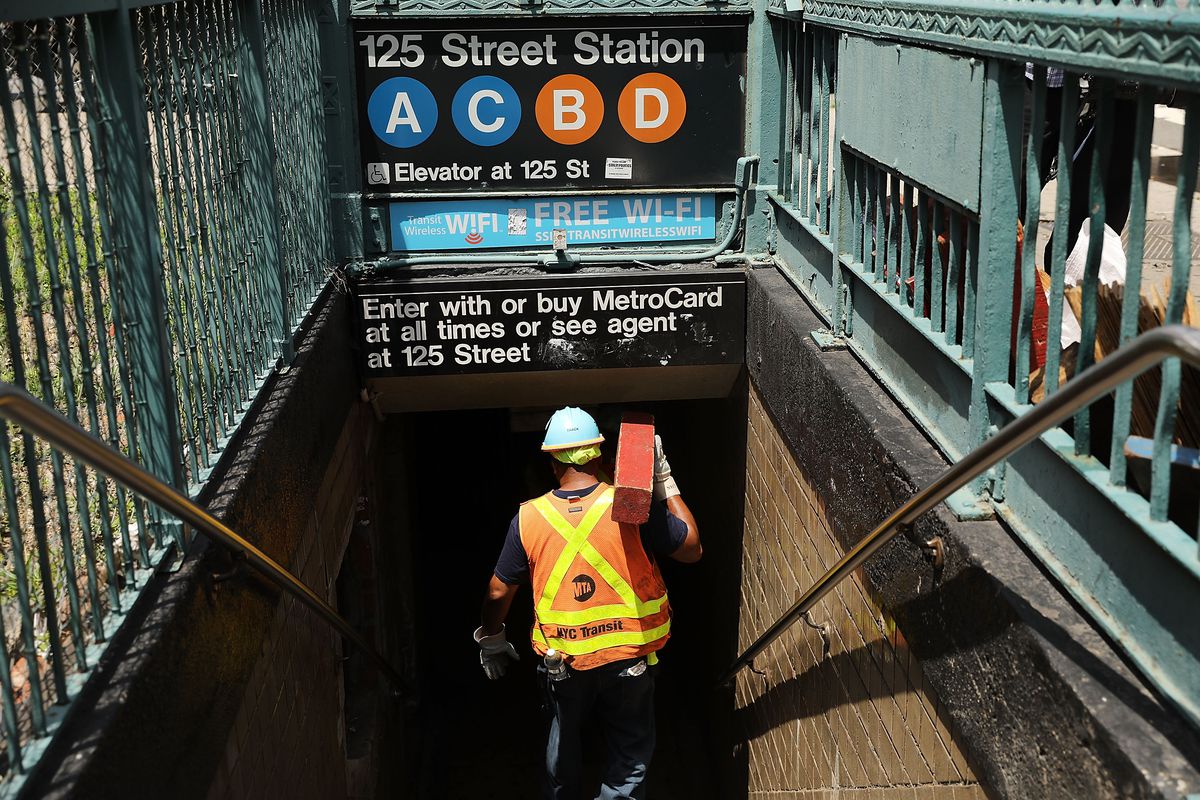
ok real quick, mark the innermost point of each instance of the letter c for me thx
(486, 110)
(473, 111)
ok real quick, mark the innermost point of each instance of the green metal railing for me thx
(166, 228)
(919, 268)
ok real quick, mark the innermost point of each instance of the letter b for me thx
(568, 102)
(569, 109)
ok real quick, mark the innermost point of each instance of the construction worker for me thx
(600, 607)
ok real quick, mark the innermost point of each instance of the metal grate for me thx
(808, 103)
(1159, 241)
(294, 81)
(229, 136)
(919, 247)
(75, 542)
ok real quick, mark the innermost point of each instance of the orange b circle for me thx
(569, 109)
(652, 107)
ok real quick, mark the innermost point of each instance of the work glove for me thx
(664, 484)
(494, 653)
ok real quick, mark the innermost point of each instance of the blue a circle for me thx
(486, 110)
(402, 112)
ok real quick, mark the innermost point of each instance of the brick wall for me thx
(288, 737)
(858, 721)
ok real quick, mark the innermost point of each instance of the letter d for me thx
(639, 102)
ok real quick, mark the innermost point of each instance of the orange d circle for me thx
(569, 109)
(652, 107)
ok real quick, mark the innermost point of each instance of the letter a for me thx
(574, 108)
(403, 114)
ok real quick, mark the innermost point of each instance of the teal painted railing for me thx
(165, 215)
(914, 140)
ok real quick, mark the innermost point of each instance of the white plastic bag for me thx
(1112, 271)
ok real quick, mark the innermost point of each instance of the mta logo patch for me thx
(584, 586)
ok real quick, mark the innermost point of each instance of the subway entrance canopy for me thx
(594, 151)
(881, 272)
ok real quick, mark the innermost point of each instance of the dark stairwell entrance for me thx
(449, 484)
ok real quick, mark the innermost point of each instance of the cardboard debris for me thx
(1151, 314)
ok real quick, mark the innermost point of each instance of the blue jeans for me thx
(621, 706)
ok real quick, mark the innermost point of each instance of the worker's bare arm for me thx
(690, 551)
(496, 604)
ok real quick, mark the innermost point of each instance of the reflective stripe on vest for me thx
(631, 607)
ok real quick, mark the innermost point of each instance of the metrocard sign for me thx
(548, 108)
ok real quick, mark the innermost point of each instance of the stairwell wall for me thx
(854, 718)
(976, 675)
(219, 686)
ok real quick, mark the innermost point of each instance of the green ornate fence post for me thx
(260, 170)
(1000, 178)
(841, 217)
(139, 273)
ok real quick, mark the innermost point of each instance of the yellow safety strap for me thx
(605, 640)
(632, 606)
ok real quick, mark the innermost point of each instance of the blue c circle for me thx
(497, 110)
(407, 107)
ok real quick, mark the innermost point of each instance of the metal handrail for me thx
(20, 407)
(1098, 380)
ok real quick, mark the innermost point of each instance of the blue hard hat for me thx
(570, 427)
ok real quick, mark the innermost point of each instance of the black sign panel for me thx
(461, 326)
(548, 107)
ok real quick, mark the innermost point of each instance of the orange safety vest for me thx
(598, 597)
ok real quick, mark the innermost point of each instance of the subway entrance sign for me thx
(609, 336)
(542, 108)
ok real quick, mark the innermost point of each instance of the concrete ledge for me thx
(1044, 705)
(154, 718)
